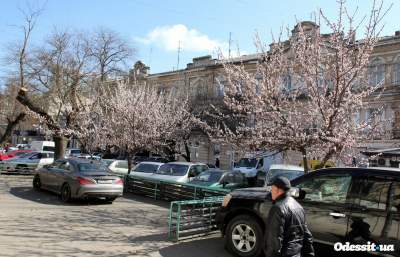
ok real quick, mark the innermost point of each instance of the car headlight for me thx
(227, 198)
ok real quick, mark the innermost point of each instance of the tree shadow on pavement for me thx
(210, 247)
(50, 198)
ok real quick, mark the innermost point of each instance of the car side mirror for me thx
(191, 174)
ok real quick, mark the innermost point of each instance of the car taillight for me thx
(84, 181)
(119, 181)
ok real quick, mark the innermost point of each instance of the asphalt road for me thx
(36, 223)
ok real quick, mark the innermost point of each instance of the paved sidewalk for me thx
(37, 224)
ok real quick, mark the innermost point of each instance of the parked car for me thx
(289, 171)
(88, 156)
(146, 169)
(179, 171)
(119, 167)
(139, 159)
(216, 178)
(355, 205)
(256, 166)
(78, 178)
(12, 154)
(72, 152)
(28, 162)
(43, 146)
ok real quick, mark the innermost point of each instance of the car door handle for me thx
(337, 215)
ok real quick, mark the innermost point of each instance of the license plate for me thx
(104, 181)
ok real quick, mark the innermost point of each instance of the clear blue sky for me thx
(155, 27)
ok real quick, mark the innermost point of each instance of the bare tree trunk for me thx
(305, 161)
(60, 146)
(187, 152)
(129, 156)
(11, 125)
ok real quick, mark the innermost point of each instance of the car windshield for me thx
(106, 163)
(76, 151)
(89, 167)
(247, 162)
(173, 169)
(209, 176)
(146, 168)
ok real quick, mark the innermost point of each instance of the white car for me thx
(28, 162)
(146, 169)
(285, 170)
(179, 171)
(116, 166)
(72, 152)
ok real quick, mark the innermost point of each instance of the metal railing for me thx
(171, 191)
(193, 218)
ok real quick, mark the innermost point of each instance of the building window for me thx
(259, 80)
(377, 72)
(220, 81)
(374, 114)
(357, 118)
(287, 82)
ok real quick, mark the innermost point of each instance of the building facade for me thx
(203, 80)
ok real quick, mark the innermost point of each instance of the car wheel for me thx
(244, 236)
(36, 182)
(65, 193)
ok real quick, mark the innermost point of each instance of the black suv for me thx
(356, 205)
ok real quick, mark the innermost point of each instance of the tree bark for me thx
(305, 161)
(129, 156)
(60, 146)
(187, 152)
(25, 101)
(11, 125)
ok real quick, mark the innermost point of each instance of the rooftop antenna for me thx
(179, 52)
(229, 49)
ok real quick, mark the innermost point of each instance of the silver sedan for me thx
(78, 178)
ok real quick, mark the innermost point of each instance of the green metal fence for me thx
(193, 217)
(171, 191)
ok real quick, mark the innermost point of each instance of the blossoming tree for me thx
(136, 118)
(304, 92)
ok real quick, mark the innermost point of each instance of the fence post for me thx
(178, 223)
(171, 207)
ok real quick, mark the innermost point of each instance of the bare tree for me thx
(109, 52)
(305, 91)
(64, 70)
(11, 110)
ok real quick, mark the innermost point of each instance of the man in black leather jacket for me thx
(287, 234)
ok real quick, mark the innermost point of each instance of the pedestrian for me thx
(6, 147)
(287, 234)
(217, 162)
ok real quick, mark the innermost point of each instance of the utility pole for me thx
(179, 52)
